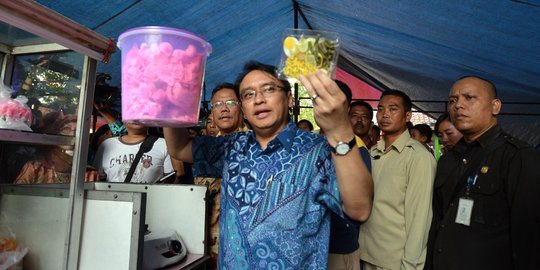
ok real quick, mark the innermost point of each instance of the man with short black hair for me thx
(227, 116)
(361, 115)
(395, 235)
(486, 196)
(279, 183)
(226, 109)
(211, 128)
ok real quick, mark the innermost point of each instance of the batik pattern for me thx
(274, 203)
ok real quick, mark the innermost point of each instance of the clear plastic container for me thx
(304, 51)
(162, 76)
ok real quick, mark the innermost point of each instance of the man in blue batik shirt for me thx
(279, 183)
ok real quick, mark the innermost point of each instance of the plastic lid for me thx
(164, 30)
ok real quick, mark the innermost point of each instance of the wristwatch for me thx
(342, 148)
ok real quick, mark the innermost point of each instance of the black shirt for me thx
(504, 231)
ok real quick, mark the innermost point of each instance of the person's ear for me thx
(408, 116)
(290, 99)
(496, 105)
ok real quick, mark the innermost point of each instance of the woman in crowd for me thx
(447, 132)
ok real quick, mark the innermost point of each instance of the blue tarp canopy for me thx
(420, 47)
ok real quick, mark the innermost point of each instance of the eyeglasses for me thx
(228, 103)
(267, 90)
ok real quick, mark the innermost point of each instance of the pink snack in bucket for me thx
(162, 75)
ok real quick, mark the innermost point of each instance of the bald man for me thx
(486, 193)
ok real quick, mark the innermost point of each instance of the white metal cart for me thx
(73, 225)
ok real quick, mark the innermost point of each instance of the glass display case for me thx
(51, 61)
(51, 84)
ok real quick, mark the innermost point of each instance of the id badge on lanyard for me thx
(465, 206)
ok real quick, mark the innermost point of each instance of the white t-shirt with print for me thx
(114, 158)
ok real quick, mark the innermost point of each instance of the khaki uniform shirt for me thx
(395, 235)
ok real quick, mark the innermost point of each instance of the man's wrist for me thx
(335, 136)
(343, 148)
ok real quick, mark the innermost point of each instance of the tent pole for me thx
(296, 107)
(295, 5)
(297, 9)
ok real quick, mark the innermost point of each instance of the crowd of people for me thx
(398, 209)
(282, 196)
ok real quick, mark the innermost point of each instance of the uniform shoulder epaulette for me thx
(517, 143)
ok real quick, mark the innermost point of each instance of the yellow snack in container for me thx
(305, 51)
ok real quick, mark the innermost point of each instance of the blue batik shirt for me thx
(274, 203)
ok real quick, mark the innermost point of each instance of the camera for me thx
(203, 115)
(104, 92)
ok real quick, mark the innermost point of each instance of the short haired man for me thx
(361, 115)
(486, 197)
(211, 128)
(304, 124)
(395, 235)
(226, 109)
(279, 182)
(226, 117)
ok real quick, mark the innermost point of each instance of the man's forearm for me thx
(330, 109)
(108, 116)
(355, 184)
(178, 143)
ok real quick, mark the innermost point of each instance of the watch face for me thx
(342, 148)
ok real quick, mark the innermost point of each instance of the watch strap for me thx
(351, 144)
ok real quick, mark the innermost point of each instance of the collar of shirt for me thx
(285, 137)
(359, 142)
(240, 129)
(402, 141)
(484, 140)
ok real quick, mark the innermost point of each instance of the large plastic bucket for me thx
(162, 76)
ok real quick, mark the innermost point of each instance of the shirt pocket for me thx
(490, 201)
(487, 184)
(279, 193)
(283, 200)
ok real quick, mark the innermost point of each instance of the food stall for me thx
(48, 66)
